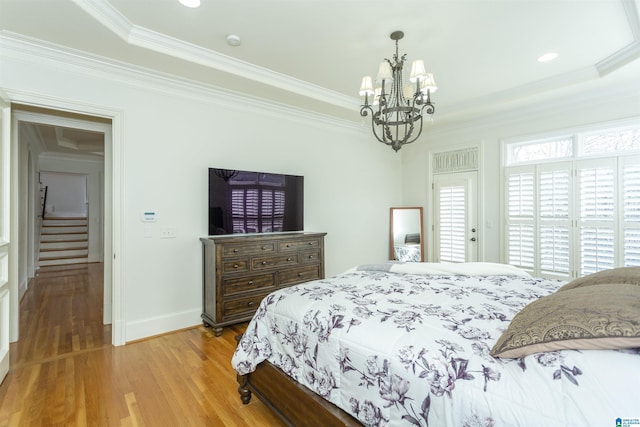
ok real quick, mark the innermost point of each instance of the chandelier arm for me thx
(365, 110)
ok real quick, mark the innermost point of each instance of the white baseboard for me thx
(162, 324)
(22, 288)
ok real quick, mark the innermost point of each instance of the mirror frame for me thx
(391, 242)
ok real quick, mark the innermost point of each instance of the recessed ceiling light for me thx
(233, 40)
(190, 3)
(548, 57)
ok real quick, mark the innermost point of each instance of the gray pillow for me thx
(590, 317)
(629, 275)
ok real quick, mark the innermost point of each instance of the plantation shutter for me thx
(554, 205)
(520, 217)
(452, 223)
(596, 219)
(631, 214)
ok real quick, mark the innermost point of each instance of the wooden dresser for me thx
(240, 270)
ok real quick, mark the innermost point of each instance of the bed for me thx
(401, 344)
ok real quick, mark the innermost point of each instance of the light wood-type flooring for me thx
(65, 372)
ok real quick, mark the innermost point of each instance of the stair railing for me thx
(39, 222)
(44, 200)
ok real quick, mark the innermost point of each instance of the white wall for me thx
(488, 132)
(66, 169)
(66, 194)
(172, 134)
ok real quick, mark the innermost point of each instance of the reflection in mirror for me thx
(405, 234)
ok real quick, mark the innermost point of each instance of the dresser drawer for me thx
(298, 244)
(310, 257)
(235, 266)
(263, 282)
(299, 275)
(241, 249)
(238, 307)
(260, 263)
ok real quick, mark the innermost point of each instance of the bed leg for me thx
(243, 389)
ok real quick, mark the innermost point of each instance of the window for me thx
(573, 203)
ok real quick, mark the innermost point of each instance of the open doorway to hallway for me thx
(53, 144)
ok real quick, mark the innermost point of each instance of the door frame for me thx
(470, 163)
(6, 236)
(113, 201)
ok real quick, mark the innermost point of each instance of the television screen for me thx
(254, 202)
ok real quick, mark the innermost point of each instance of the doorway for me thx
(455, 216)
(58, 141)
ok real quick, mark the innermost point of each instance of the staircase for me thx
(64, 241)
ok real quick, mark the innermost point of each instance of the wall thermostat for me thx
(149, 216)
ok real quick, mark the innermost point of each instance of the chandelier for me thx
(397, 111)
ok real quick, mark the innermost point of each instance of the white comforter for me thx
(395, 346)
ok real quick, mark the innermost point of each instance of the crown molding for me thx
(510, 114)
(631, 10)
(497, 100)
(66, 157)
(111, 18)
(73, 61)
(618, 59)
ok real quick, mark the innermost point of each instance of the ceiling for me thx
(312, 54)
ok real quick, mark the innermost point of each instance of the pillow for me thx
(630, 275)
(590, 317)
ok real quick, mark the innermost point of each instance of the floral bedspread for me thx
(401, 349)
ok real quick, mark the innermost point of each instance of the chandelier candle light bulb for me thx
(397, 118)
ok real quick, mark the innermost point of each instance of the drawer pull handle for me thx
(250, 283)
(264, 248)
(299, 274)
(288, 259)
(264, 262)
(310, 243)
(250, 304)
(236, 266)
(288, 245)
(235, 251)
(310, 256)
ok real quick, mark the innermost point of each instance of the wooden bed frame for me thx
(295, 404)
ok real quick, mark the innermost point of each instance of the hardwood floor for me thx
(65, 372)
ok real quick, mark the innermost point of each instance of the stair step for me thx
(64, 230)
(64, 244)
(62, 261)
(64, 237)
(57, 222)
(64, 253)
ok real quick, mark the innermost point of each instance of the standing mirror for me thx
(405, 235)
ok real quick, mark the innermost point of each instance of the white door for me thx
(455, 217)
(5, 209)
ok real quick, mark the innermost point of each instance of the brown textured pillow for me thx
(629, 275)
(591, 317)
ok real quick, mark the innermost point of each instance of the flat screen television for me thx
(254, 202)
